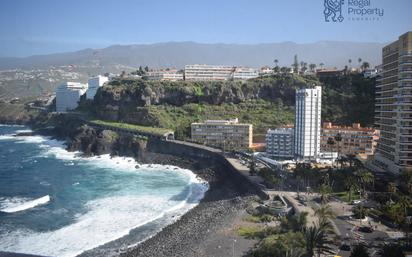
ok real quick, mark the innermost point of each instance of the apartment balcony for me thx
(405, 54)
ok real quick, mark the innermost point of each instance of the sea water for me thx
(58, 203)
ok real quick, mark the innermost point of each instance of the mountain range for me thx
(177, 54)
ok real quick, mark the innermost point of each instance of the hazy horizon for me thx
(43, 27)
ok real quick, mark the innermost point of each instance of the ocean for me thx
(57, 203)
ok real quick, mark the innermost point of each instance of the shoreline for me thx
(184, 236)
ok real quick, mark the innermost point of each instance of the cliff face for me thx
(127, 99)
(97, 142)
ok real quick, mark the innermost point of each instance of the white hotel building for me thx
(164, 75)
(308, 123)
(94, 84)
(203, 72)
(244, 73)
(199, 72)
(68, 96)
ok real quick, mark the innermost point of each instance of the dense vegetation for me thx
(348, 99)
(266, 102)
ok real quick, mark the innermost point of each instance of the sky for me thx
(31, 27)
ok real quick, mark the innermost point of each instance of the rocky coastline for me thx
(224, 200)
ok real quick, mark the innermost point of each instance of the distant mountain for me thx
(177, 54)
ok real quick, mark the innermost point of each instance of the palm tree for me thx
(351, 185)
(317, 239)
(365, 66)
(276, 61)
(330, 144)
(350, 62)
(359, 250)
(338, 138)
(325, 212)
(404, 202)
(312, 67)
(359, 60)
(324, 191)
(365, 178)
(321, 65)
(391, 189)
(351, 159)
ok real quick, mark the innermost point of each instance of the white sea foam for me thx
(108, 218)
(23, 131)
(16, 205)
(23, 139)
(11, 126)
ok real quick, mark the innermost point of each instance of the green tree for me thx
(325, 191)
(391, 189)
(359, 212)
(365, 66)
(318, 239)
(276, 61)
(324, 212)
(359, 250)
(321, 65)
(295, 222)
(280, 245)
(312, 67)
(365, 178)
(351, 185)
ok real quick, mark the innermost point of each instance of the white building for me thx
(370, 73)
(308, 123)
(68, 96)
(94, 84)
(199, 72)
(244, 73)
(169, 75)
(279, 143)
(266, 70)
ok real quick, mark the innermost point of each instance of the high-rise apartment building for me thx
(226, 134)
(308, 123)
(393, 107)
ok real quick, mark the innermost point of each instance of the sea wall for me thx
(203, 153)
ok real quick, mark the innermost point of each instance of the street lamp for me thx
(234, 241)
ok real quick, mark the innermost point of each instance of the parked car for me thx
(366, 229)
(358, 201)
(345, 247)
